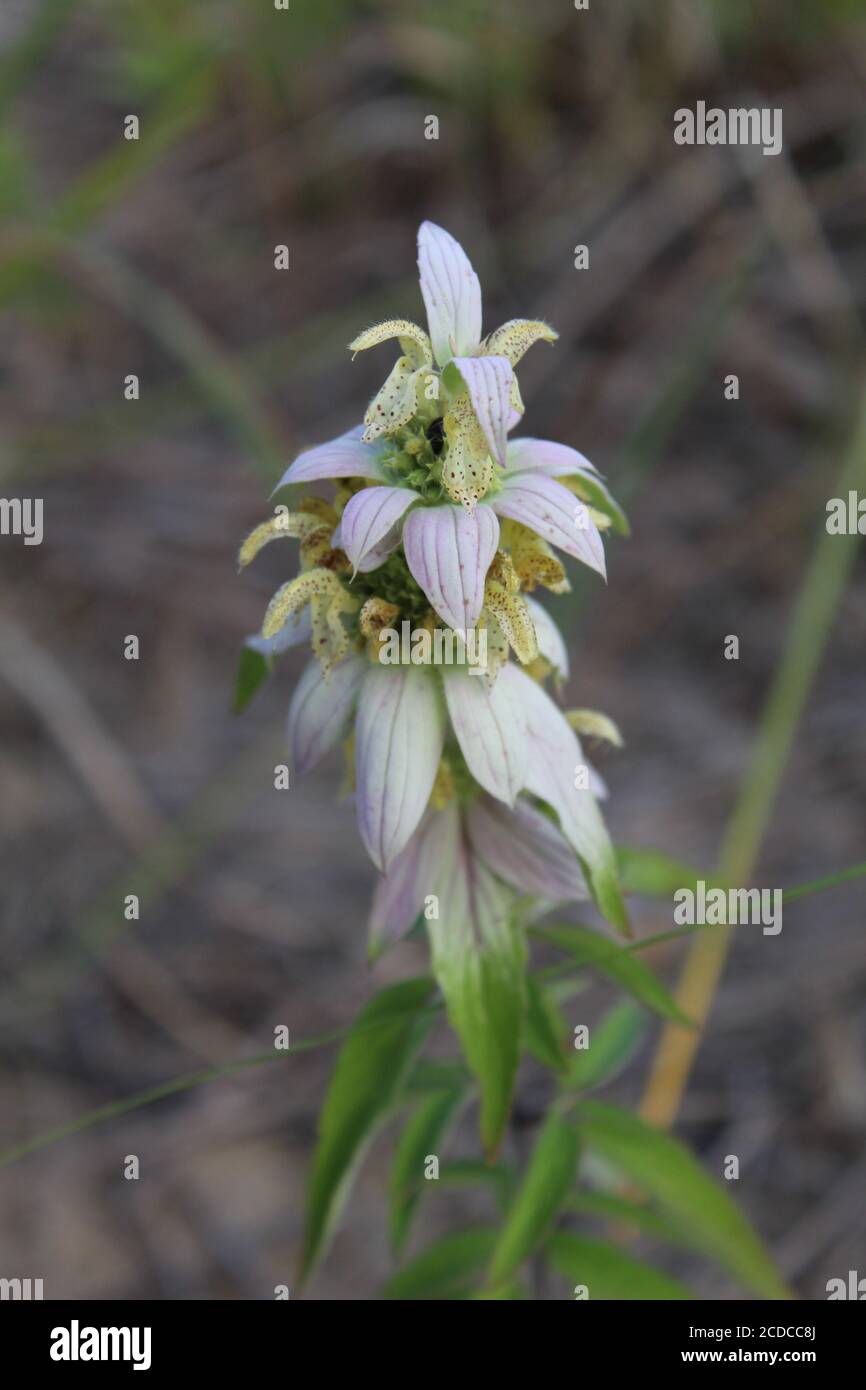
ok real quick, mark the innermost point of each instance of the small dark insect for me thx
(436, 434)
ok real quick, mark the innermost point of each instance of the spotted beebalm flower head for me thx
(440, 524)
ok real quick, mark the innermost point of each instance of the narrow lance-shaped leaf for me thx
(546, 1029)
(253, 670)
(471, 1172)
(445, 1270)
(479, 959)
(611, 1043)
(367, 1081)
(671, 1175)
(587, 947)
(549, 1179)
(606, 1272)
(628, 1215)
(652, 874)
(422, 1133)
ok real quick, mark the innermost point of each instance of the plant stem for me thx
(815, 608)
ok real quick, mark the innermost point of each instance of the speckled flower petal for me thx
(550, 641)
(369, 517)
(399, 733)
(344, 457)
(448, 551)
(321, 709)
(550, 510)
(490, 727)
(515, 337)
(468, 469)
(488, 382)
(451, 292)
(413, 340)
(394, 404)
(525, 848)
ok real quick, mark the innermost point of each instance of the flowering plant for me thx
(431, 661)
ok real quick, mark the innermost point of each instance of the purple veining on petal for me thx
(320, 710)
(548, 508)
(344, 457)
(555, 759)
(399, 733)
(488, 381)
(451, 293)
(419, 870)
(490, 726)
(295, 632)
(449, 551)
(523, 846)
(546, 456)
(368, 518)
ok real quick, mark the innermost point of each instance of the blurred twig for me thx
(96, 756)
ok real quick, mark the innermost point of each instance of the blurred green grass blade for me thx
(814, 611)
(819, 885)
(373, 1064)
(607, 1272)
(181, 335)
(188, 1082)
(108, 179)
(549, 1179)
(23, 58)
(672, 1177)
(588, 948)
(102, 185)
(221, 381)
(612, 1043)
(115, 1109)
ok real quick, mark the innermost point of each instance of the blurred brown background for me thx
(156, 257)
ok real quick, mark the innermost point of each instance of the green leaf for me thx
(479, 958)
(427, 1076)
(468, 1172)
(253, 671)
(652, 874)
(620, 964)
(546, 1029)
(421, 1134)
(549, 1179)
(666, 1170)
(368, 1079)
(607, 1272)
(631, 1215)
(445, 1270)
(611, 1043)
(593, 491)
(501, 1294)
